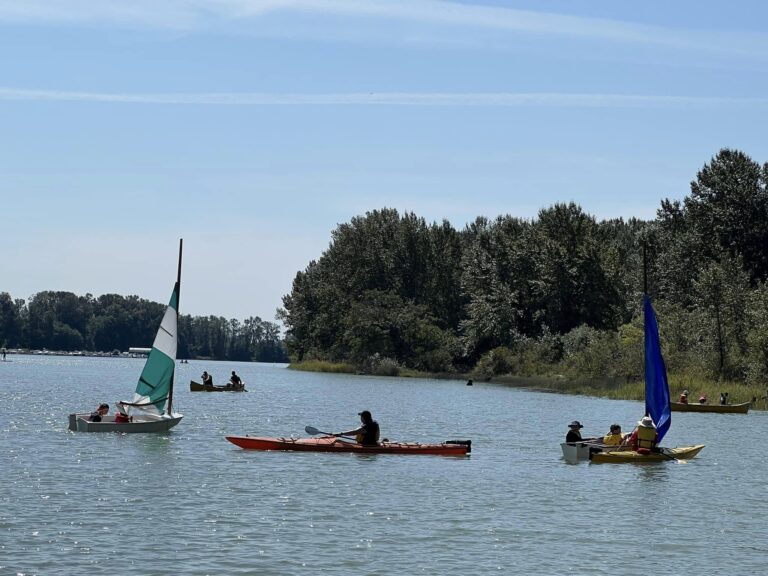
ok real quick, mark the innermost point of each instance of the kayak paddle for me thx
(314, 431)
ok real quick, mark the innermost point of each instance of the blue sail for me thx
(656, 387)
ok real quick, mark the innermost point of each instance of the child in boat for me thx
(121, 416)
(614, 437)
(100, 412)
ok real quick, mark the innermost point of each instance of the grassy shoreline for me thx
(613, 390)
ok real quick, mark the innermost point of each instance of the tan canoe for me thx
(742, 408)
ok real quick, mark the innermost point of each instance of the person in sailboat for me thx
(684, 397)
(614, 436)
(121, 416)
(235, 380)
(643, 437)
(368, 433)
(99, 413)
(207, 379)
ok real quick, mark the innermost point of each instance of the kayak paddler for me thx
(368, 433)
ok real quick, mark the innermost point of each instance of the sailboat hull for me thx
(82, 423)
(627, 456)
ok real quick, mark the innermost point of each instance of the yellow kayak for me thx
(664, 455)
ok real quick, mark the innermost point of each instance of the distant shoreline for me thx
(83, 353)
(610, 389)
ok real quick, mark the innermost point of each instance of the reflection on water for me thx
(188, 502)
(653, 472)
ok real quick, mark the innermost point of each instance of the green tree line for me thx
(68, 322)
(556, 294)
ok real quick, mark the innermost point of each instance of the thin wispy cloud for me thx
(501, 99)
(448, 15)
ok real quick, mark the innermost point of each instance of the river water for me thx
(189, 502)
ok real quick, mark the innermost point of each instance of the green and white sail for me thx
(155, 386)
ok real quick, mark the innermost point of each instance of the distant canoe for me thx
(197, 387)
(742, 408)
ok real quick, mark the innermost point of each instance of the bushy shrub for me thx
(497, 362)
(591, 353)
(378, 365)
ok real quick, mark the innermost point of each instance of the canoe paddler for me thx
(368, 433)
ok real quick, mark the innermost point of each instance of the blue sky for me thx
(252, 128)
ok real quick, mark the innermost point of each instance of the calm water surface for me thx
(189, 502)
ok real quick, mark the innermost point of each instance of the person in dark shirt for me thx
(574, 432)
(207, 379)
(368, 433)
(101, 411)
(235, 380)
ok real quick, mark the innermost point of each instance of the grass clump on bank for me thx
(323, 366)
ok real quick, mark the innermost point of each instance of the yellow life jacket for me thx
(612, 439)
(646, 437)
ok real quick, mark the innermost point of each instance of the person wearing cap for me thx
(614, 437)
(574, 432)
(368, 433)
(643, 437)
(684, 397)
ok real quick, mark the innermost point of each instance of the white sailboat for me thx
(151, 409)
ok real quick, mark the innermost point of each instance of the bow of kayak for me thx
(331, 444)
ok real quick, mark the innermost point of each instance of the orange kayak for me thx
(331, 444)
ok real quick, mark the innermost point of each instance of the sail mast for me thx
(645, 270)
(178, 297)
